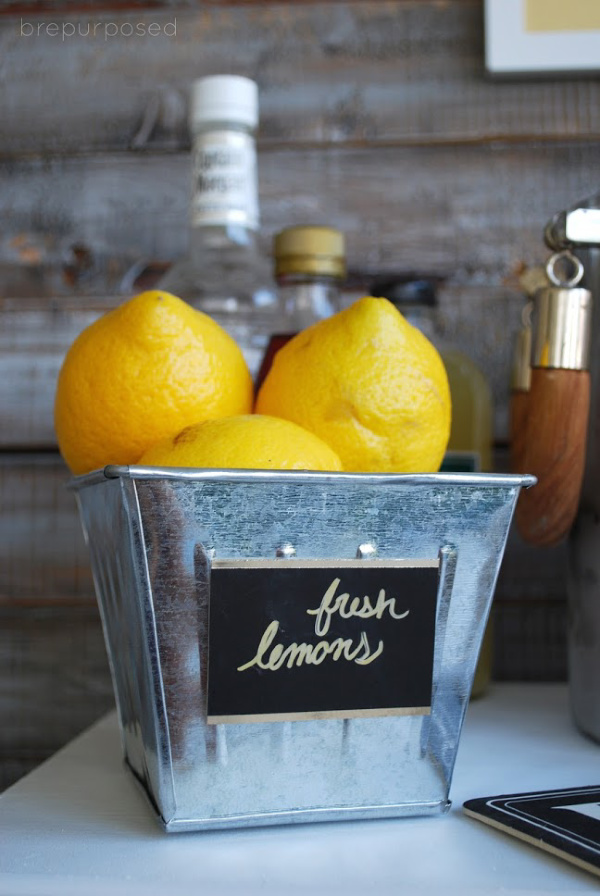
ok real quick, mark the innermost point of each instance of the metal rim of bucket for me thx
(115, 471)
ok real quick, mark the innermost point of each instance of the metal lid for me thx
(405, 293)
(310, 250)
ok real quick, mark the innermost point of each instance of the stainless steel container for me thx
(155, 538)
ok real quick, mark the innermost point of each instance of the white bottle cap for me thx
(221, 98)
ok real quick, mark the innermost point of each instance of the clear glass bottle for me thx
(471, 437)
(223, 273)
(310, 267)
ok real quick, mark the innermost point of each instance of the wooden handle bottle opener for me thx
(556, 407)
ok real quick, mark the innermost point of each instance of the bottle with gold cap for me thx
(310, 267)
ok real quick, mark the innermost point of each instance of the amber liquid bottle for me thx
(309, 270)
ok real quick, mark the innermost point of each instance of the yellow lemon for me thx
(143, 372)
(245, 441)
(369, 384)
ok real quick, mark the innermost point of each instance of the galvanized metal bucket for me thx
(154, 536)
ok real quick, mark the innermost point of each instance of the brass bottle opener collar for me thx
(562, 318)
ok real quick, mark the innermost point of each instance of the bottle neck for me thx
(224, 204)
(307, 298)
(422, 317)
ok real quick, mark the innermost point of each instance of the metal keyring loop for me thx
(562, 281)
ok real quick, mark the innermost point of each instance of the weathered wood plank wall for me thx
(376, 117)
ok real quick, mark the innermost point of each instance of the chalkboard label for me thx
(297, 640)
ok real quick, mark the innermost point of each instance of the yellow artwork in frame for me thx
(549, 37)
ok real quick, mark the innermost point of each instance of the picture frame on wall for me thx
(542, 37)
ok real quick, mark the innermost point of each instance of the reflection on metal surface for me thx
(152, 536)
(561, 319)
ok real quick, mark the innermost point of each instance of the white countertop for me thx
(79, 825)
